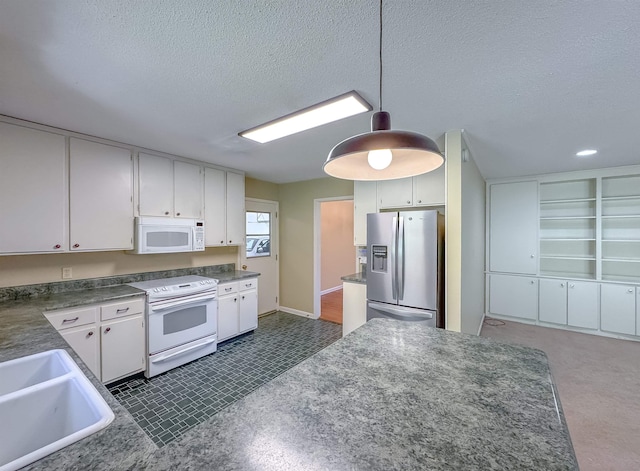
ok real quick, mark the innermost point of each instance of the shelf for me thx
(574, 217)
(620, 240)
(574, 200)
(565, 257)
(621, 278)
(571, 275)
(620, 198)
(622, 216)
(623, 260)
(563, 238)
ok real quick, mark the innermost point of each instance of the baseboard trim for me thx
(481, 324)
(330, 290)
(297, 312)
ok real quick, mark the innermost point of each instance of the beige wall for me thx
(337, 252)
(296, 237)
(18, 270)
(453, 230)
(260, 189)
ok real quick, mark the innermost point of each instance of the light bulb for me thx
(379, 159)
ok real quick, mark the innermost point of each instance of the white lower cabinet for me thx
(122, 347)
(237, 308)
(571, 303)
(618, 308)
(119, 349)
(515, 296)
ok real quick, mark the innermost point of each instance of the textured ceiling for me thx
(531, 82)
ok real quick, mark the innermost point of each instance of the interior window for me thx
(258, 235)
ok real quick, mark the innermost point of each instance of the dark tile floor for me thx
(167, 405)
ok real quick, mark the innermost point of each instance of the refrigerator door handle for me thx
(400, 259)
(402, 312)
(394, 259)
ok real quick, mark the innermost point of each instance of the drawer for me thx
(68, 318)
(249, 283)
(227, 288)
(122, 309)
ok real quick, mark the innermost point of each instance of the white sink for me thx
(46, 403)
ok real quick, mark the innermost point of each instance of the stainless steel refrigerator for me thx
(405, 266)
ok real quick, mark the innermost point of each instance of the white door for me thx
(155, 178)
(215, 213)
(553, 301)
(618, 309)
(515, 296)
(235, 208)
(261, 250)
(396, 193)
(583, 306)
(187, 184)
(513, 227)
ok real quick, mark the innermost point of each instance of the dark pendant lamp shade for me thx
(412, 153)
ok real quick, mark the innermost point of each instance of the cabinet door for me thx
(227, 317)
(429, 188)
(638, 311)
(583, 306)
(235, 209)
(101, 197)
(123, 347)
(85, 342)
(395, 193)
(553, 301)
(513, 227)
(155, 177)
(618, 309)
(515, 296)
(187, 190)
(248, 314)
(364, 202)
(32, 191)
(215, 224)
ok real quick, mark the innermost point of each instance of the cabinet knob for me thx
(419, 201)
(572, 285)
(532, 282)
(166, 213)
(230, 241)
(408, 202)
(90, 334)
(533, 256)
(57, 246)
(108, 329)
(177, 214)
(562, 285)
(222, 241)
(75, 246)
(235, 299)
(243, 297)
(630, 290)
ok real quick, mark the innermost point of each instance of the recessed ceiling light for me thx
(325, 112)
(586, 152)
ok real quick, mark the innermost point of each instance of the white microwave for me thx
(168, 235)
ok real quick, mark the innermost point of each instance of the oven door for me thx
(177, 321)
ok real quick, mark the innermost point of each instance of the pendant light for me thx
(383, 154)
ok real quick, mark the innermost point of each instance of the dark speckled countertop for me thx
(360, 277)
(390, 395)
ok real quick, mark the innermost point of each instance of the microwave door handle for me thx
(182, 302)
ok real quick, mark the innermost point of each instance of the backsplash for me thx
(43, 289)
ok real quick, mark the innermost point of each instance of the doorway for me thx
(334, 254)
(261, 250)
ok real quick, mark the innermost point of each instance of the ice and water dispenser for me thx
(380, 258)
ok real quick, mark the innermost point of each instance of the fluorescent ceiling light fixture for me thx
(342, 106)
(586, 152)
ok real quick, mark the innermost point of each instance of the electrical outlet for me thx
(67, 273)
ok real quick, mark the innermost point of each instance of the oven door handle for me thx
(181, 302)
(169, 356)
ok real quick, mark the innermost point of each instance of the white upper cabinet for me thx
(155, 189)
(100, 196)
(395, 193)
(513, 243)
(215, 219)
(187, 190)
(235, 209)
(169, 187)
(429, 188)
(33, 191)
(364, 202)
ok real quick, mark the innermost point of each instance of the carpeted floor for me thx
(598, 380)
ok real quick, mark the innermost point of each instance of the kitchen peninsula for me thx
(391, 395)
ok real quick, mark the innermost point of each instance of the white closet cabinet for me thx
(513, 243)
(515, 296)
(215, 214)
(235, 209)
(364, 202)
(187, 185)
(553, 301)
(100, 196)
(395, 193)
(618, 309)
(568, 302)
(123, 347)
(33, 191)
(237, 308)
